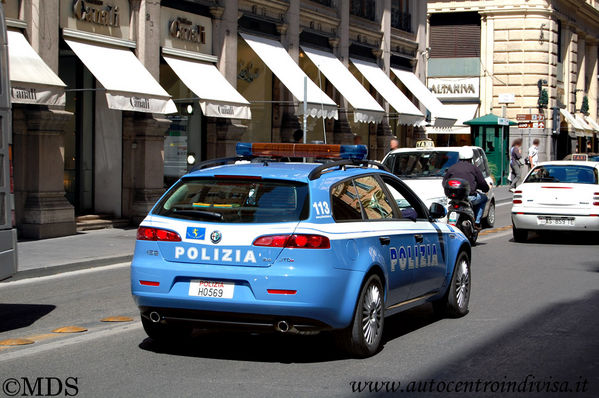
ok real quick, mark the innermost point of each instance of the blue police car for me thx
(252, 242)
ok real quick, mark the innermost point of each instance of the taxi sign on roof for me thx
(580, 156)
(425, 144)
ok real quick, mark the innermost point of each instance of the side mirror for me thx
(437, 210)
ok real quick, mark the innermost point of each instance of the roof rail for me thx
(220, 161)
(319, 171)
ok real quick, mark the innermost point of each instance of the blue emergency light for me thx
(292, 150)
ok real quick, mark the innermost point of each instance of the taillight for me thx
(296, 241)
(596, 199)
(454, 183)
(147, 233)
(517, 197)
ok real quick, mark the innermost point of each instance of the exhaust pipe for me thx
(155, 317)
(283, 326)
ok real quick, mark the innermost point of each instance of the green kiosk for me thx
(491, 133)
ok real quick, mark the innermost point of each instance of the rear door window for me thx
(346, 202)
(232, 200)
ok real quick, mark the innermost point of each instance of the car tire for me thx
(455, 302)
(164, 333)
(489, 221)
(363, 337)
(520, 235)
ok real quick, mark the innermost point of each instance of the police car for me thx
(259, 244)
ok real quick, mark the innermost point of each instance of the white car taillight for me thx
(596, 199)
(518, 197)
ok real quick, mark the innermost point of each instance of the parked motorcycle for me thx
(460, 212)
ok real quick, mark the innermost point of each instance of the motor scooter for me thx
(460, 212)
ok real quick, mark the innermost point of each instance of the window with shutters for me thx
(455, 35)
(400, 15)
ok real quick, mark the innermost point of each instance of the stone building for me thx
(515, 51)
(115, 99)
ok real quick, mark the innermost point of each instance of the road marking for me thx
(495, 235)
(63, 275)
(495, 230)
(503, 204)
(81, 338)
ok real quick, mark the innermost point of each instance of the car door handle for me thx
(419, 238)
(385, 240)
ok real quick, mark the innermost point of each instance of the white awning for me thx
(592, 123)
(573, 124)
(32, 81)
(218, 98)
(441, 116)
(129, 86)
(408, 113)
(586, 129)
(462, 113)
(274, 55)
(365, 108)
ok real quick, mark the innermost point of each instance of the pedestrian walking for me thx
(516, 163)
(533, 153)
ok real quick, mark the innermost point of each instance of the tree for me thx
(543, 99)
(584, 109)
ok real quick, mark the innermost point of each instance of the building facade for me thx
(124, 96)
(533, 57)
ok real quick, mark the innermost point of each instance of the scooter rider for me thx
(469, 172)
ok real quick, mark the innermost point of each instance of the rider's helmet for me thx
(466, 153)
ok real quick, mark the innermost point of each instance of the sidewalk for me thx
(83, 250)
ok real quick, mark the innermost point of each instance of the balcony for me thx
(401, 20)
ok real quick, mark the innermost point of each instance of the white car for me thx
(422, 169)
(560, 196)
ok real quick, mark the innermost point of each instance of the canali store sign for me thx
(105, 17)
(185, 31)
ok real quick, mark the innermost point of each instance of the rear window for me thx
(421, 164)
(236, 201)
(572, 174)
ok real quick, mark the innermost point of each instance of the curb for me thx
(60, 268)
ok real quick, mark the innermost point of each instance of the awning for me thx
(573, 124)
(218, 98)
(365, 108)
(462, 112)
(592, 123)
(274, 55)
(32, 81)
(441, 116)
(407, 111)
(586, 129)
(129, 86)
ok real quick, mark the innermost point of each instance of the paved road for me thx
(534, 313)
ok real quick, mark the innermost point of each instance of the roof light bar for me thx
(302, 150)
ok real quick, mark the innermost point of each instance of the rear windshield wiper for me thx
(202, 213)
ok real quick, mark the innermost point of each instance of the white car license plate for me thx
(453, 217)
(213, 289)
(569, 221)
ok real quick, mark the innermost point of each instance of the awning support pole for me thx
(305, 107)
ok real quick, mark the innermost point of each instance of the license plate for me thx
(569, 221)
(212, 289)
(453, 217)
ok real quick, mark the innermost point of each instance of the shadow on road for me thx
(282, 348)
(16, 316)
(559, 344)
(563, 238)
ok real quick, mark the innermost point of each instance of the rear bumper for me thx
(530, 220)
(325, 296)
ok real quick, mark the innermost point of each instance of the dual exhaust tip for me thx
(281, 326)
